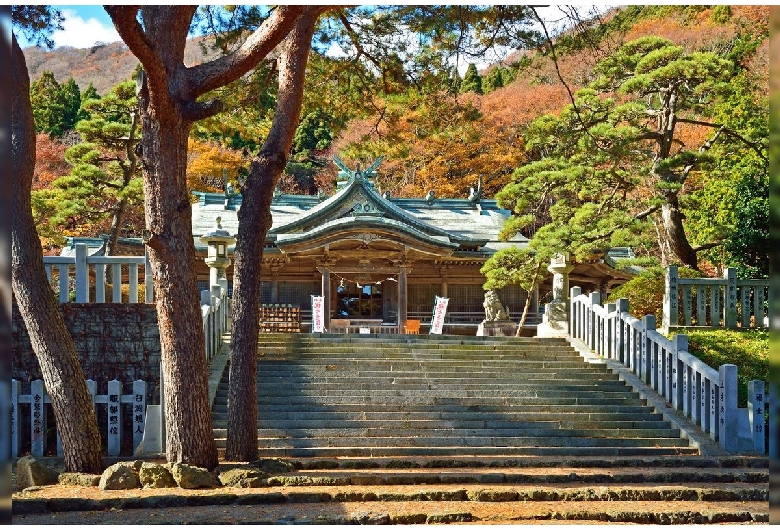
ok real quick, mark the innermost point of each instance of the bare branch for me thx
(755, 146)
(646, 213)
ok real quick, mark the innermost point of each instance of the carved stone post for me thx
(555, 322)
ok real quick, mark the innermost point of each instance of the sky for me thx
(84, 26)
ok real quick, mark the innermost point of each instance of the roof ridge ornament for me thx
(476, 195)
(351, 175)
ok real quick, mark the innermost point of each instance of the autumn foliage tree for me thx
(208, 162)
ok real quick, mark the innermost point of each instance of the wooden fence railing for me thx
(116, 403)
(705, 395)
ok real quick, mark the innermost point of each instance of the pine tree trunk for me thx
(254, 224)
(188, 429)
(254, 219)
(673, 240)
(51, 341)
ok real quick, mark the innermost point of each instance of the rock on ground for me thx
(154, 475)
(191, 477)
(120, 476)
(30, 472)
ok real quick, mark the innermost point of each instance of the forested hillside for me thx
(443, 133)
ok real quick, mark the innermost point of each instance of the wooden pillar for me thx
(444, 288)
(326, 296)
(274, 290)
(402, 299)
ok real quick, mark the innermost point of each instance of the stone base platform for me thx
(497, 328)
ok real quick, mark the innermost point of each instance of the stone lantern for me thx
(555, 321)
(218, 240)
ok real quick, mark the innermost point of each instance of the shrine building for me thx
(378, 260)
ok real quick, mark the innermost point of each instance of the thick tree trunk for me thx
(672, 238)
(254, 222)
(169, 105)
(188, 429)
(51, 341)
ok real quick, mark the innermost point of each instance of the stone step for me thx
(443, 405)
(301, 339)
(730, 463)
(346, 506)
(271, 386)
(464, 443)
(346, 418)
(448, 452)
(318, 373)
(457, 433)
(745, 484)
(452, 366)
(295, 425)
(427, 353)
(467, 401)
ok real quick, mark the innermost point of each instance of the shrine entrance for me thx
(357, 300)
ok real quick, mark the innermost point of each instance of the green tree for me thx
(494, 79)
(472, 81)
(71, 99)
(105, 179)
(605, 166)
(48, 105)
(49, 336)
(523, 267)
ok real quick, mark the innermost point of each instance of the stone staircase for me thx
(395, 397)
(421, 429)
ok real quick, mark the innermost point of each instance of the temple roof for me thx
(453, 226)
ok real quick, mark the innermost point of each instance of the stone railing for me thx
(82, 273)
(33, 409)
(714, 302)
(705, 395)
(214, 307)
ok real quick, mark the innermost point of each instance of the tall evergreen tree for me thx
(48, 105)
(472, 81)
(105, 178)
(494, 80)
(71, 99)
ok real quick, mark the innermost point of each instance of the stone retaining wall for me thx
(114, 341)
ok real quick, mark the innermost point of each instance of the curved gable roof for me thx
(359, 199)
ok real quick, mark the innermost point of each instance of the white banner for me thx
(317, 314)
(439, 309)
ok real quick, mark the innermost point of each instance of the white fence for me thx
(714, 302)
(215, 310)
(77, 273)
(705, 395)
(114, 400)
